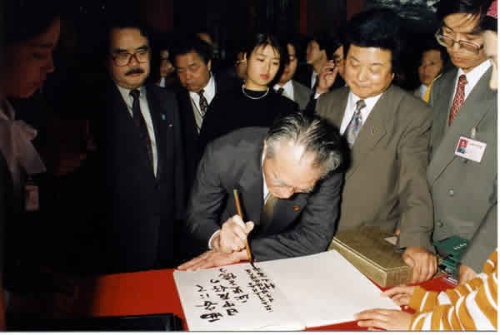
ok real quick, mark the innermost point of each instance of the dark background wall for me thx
(230, 21)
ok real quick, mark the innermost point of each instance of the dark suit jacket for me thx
(139, 210)
(386, 184)
(301, 225)
(5, 195)
(302, 94)
(464, 192)
(304, 76)
(190, 135)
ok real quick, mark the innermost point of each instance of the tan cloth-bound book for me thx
(369, 249)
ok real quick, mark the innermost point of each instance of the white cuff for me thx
(211, 238)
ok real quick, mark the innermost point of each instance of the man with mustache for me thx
(138, 149)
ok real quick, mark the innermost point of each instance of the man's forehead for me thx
(462, 23)
(372, 55)
(123, 36)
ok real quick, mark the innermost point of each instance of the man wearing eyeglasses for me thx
(462, 172)
(139, 157)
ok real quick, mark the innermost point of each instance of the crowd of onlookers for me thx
(135, 158)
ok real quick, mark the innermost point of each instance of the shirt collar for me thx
(125, 92)
(474, 75)
(287, 89)
(369, 102)
(208, 90)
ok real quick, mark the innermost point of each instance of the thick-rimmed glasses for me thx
(124, 58)
(449, 42)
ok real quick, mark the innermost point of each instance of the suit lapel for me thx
(372, 132)
(470, 115)
(286, 211)
(250, 186)
(300, 96)
(156, 114)
(442, 108)
(339, 107)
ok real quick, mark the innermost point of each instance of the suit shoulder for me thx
(334, 94)
(161, 91)
(239, 141)
(445, 77)
(409, 101)
(299, 86)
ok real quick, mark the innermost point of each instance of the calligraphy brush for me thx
(240, 213)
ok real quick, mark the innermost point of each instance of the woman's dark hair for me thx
(26, 19)
(263, 40)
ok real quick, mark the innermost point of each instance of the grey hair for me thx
(314, 133)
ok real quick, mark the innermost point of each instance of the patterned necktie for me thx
(280, 90)
(355, 123)
(203, 103)
(268, 210)
(459, 98)
(140, 123)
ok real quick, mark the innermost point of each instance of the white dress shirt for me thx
(472, 76)
(351, 106)
(209, 94)
(314, 77)
(287, 90)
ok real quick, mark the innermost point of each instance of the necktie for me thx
(459, 98)
(280, 90)
(355, 123)
(140, 123)
(203, 103)
(267, 212)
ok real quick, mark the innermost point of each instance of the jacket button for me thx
(451, 192)
(440, 223)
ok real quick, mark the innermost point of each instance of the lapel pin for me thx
(296, 208)
(163, 117)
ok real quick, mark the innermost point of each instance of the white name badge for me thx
(470, 149)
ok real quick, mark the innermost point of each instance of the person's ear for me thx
(209, 65)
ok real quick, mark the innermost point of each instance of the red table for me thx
(137, 293)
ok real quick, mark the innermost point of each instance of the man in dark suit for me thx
(192, 58)
(289, 87)
(388, 131)
(322, 50)
(139, 159)
(464, 186)
(288, 185)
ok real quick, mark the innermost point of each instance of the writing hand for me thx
(327, 77)
(389, 319)
(233, 235)
(465, 274)
(401, 295)
(212, 258)
(423, 262)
